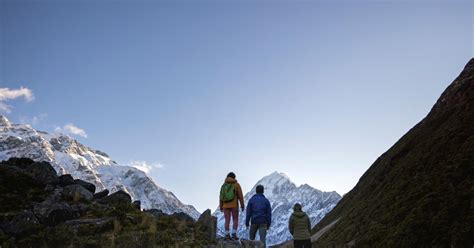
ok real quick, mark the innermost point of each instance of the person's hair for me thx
(297, 207)
(259, 189)
(231, 174)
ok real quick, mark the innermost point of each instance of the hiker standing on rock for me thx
(230, 196)
(300, 227)
(259, 215)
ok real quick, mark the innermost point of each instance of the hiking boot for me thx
(227, 237)
(234, 236)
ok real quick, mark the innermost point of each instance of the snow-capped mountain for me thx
(68, 156)
(283, 194)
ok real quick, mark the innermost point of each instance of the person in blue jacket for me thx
(259, 214)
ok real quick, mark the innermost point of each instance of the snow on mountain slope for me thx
(68, 156)
(283, 194)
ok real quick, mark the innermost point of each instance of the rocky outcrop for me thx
(101, 194)
(39, 209)
(77, 193)
(207, 224)
(118, 198)
(86, 185)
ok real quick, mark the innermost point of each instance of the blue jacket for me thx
(259, 210)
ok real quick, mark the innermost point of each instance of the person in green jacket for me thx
(300, 227)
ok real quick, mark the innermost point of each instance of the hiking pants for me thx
(234, 212)
(305, 243)
(262, 232)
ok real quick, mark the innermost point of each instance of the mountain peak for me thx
(276, 178)
(4, 122)
(279, 175)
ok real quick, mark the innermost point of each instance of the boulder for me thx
(180, 216)
(86, 185)
(137, 205)
(155, 212)
(101, 194)
(65, 180)
(118, 198)
(54, 213)
(41, 172)
(183, 216)
(20, 162)
(77, 193)
(207, 225)
(22, 224)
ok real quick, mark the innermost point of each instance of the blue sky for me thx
(315, 89)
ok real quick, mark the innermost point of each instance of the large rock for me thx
(180, 216)
(118, 198)
(41, 172)
(86, 185)
(101, 194)
(65, 180)
(20, 162)
(137, 205)
(155, 212)
(77, 193)
(207, 225)
(54, 213)
(22, 224)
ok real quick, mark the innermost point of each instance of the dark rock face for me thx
(101, 194)
(65, 180)
(207, 224)
(60, 213)
(418, 193)
(41, 172)
(77, 193)
(155, 212)
(137, 205)
(22, 224)
(159, 214)
(54, 213)
(117, 198)
(86, 185)
(20, 162)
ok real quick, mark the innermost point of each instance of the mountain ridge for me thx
(420, 192)
(68, 156)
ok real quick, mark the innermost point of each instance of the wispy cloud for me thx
(72, 130)
(145, 166)
(33, 120)
(7, 94)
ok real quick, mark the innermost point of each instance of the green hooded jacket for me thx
(300, 226)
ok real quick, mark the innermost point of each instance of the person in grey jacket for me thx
(300, 227)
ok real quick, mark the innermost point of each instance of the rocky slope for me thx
(68, 156)
(283, 194)
(40, 209)
(420, 193)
